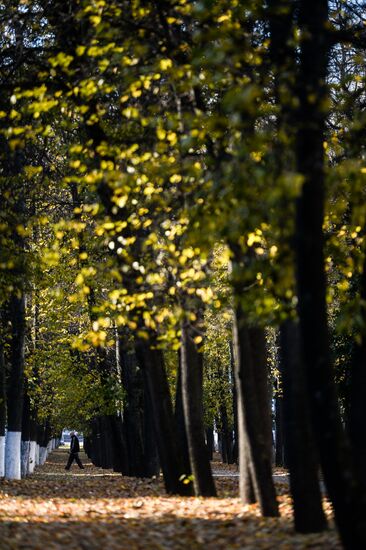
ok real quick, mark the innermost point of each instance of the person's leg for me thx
(70, 461)
(78, 462)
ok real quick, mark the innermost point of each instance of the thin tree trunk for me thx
(25, 445)
(87, 446)
(40, 430)
(192, 388)
(42, 444)
(235, 405)
(2, 409)
(279, 420)
(179, 421)
(227, 437)
(96, 443)
(32, 443)
(246, 487)
(46, 440)
(15, 387)
(210, 441)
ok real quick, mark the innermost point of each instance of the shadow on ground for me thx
(161, 533)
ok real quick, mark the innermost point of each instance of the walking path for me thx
(95, 509)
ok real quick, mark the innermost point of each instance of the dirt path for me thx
(94, 509)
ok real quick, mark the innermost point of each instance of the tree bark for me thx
(357, 408)
(301, 450)
(25, 445)
(258, 347)
(235, 405)
(15, 387)
(96, 443)
(165, 430)
(246, 486)
(43, 441)
(33, 443)
(179, 421)
(209, 431)
(226, 437)
(134, 386)
(120, 456)
(253, 427)
(342, 485)
(106, 442)
(279, 420)
(2, 408)
(192, 388)
(151, 455)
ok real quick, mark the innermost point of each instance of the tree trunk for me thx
(133, 384)
(343, 487)
(108, 442)
(258, 347)
(96, 449)
(166, 435)
(210, 441)
(279, 420)
(47, 439)
(32, 443)
(253, 425)
(15, 387)
(42, 444)
(246, 487)
(25, 445)
(357, 408)
(87, 445)
(301, 450)
(226, 437)
(179, 421)
(151, 455)
(292, 412)
(192, 388)
(235, 406)
(2, 409)
(120, 456)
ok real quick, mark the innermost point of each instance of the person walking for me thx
(74, 452)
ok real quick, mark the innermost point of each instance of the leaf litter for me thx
(98, 509)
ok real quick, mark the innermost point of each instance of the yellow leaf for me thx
(165, 64)
(161, 133)
(79, 279)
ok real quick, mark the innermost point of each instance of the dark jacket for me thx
(74, 445)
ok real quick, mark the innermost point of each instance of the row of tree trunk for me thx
(148, 434)
(315, 431)
(24, 442)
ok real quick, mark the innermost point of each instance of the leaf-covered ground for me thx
(98, 509)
